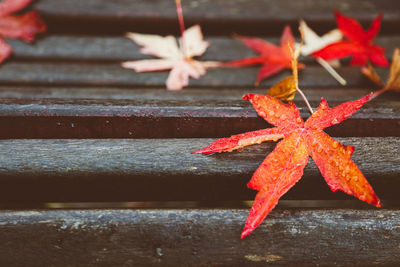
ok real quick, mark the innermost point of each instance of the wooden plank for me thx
(165, 169)
(102, 74)
(109, 48)
(266, 16)
(69, 112)
(198, 238)
(204, 96)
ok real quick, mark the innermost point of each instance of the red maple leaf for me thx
(274, 58)
(283, 167)
(22, 26)
(359, 43)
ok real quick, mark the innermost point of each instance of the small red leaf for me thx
(359, 43)
(24, 26)
(10, 6)
(274, 58)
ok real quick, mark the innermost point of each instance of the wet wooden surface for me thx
(216, 17)
(165, 169)
(119, 48)
(76, 112)
(76, 127)
(112, 74)
(207, 237)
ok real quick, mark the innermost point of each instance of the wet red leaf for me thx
(282, 168)
(358, 44)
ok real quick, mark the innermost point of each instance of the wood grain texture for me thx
(198, 238)
(265, 16)
(165, 169)
(74, 112)
(111, 48)
(112, 74)
(71, 86)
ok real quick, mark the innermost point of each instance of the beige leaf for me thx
(182, 65)
(155, 45)
(313, 42)
(180, 73)
(149, 65)
(194, 45)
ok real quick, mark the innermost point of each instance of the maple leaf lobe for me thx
(280, 171)
(275, 112)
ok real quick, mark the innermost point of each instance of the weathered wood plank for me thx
(102, 74)
(198, 238)
(266, 16)
(205, 96)
(108, 48)
(68, 112)
(164, 169)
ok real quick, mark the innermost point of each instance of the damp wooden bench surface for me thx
(95, 160)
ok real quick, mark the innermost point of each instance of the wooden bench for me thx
(95, 162)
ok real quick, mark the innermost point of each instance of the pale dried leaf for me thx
(194, 45)
(393, 82)
(313, 42)
(149, 64)
(180, 73)
(156, 45)
(182, 65)
(211, 64)
(335, 63)
(371, 74)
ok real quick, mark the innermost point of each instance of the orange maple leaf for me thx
(283, 167)
(274, 58)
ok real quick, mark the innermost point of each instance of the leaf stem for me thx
(377, 93)
(181, 25)
(305, 99)
(295, 57)
(331, 70)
